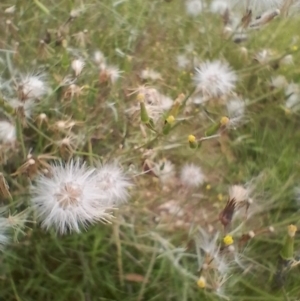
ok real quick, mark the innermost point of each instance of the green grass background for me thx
(41, 266)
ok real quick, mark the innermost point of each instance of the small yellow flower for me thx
(201, 282)
(287, 111)
(170, 119)
(292, 230)
(224, 121)
(228, 240)
(208, 187)
(140, 97)
(220, 197)
(294, 48)
(192, 138)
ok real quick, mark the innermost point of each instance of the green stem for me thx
(20, 137)
(40, 132)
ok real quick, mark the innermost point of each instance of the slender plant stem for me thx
(20, 137)
(116, 233)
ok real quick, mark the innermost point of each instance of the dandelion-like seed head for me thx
(77, 66)
(215, 79)
(99, 57)
(69, 198)
(164, 170)
(150, 74)
(288, 59)
(33, 87)
(183, 61)
(239, 193)
(8, 133)
(155, 102)
(113, 184)
(194, 7)
(278, 82)
(256, 6)
(218, 6)
(4, 226)
(222, 265)
(26, 107)
(111, 73)
(263, 57)
(292, 93)
(208, 243)
(69, 195)
(236, 108)
(192, 175)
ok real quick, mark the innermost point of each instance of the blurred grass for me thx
(84, 267)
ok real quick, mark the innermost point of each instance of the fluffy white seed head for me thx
(292, 88)
(208, 242)
(183, 62)
(218, 6)
(99, 57)
(263, 57)
(194, 7)
(156, 103)
(26, 106)
(292, 93)
(113, 183)
(4, 226)
(235, 107)
(10, 10)
(287, 60)
(192, 175)
(256, 6)
(278, 82)
(33, 86)
(7, 132)
(109, 72)
(69, 198)
(77, 66)
(165, 171)
(223, 265)
(113, 73)
(236, 111)
(150, 74)
(214, 79)
(239, 193)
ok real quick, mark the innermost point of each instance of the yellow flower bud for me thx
(192, 138)
(193, 142)
(287, 111)
(292, 230)
(201, 282)
(294, 48)
(170, 119)
(224, 121)
(140, 97)
(228, 240)
(208, 187)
